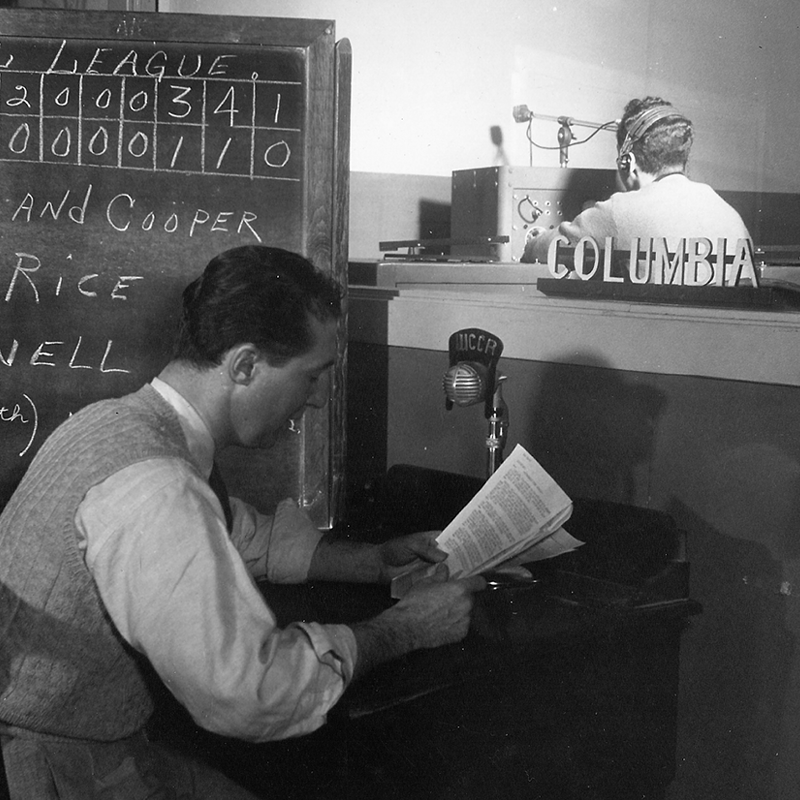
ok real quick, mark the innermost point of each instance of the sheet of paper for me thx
(558, 543)
(518, 506)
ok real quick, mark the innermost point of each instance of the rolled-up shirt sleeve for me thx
(278, 546)
(178, 589)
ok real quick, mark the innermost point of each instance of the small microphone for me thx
(522, 113)
(566, 121)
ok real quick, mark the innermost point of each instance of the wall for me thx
(730, 477)
(647, 405)
(391, 208)
(431, 79)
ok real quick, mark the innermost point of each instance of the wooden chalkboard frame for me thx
(318, 230)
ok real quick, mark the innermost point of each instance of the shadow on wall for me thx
(726, 467)
(592, 426)
(735, 668)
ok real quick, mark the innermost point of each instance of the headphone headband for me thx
(642, 123)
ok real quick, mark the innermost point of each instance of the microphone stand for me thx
(565, 136)
(498, 429)
(564, 139)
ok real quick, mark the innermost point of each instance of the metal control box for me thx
(509, 201)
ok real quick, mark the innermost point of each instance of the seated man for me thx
(659, 200)
(118, 556)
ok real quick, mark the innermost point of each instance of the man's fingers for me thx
(474, 584)
(424, 544)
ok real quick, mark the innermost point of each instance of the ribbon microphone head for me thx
(471, 378)
(465, 383)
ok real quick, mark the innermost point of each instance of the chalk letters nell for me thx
(27, 285)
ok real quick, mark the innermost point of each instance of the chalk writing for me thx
(26, 282)
(159, 110)
(120, 215)
(31, 283)
(53, 353)
(124, 212)
(14, 414)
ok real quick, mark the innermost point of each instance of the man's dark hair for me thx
(665, 144)
(258, 294)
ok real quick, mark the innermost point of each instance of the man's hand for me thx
(405, 553)
(435, 612)
(534, 247)
(360, 562)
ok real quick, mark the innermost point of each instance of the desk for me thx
(566, 689)
(573, 704)
(550, 696)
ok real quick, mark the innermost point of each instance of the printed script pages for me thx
(514, 519)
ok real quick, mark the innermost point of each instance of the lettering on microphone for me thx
(474, 342)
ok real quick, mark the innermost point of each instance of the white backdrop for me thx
(431, 77)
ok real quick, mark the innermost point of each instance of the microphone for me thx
(472, 378)
(565, 121)
(522, 113)
(474, 354)
(465, 383)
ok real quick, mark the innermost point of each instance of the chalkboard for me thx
(133, 148)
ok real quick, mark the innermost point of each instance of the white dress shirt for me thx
(180, 589)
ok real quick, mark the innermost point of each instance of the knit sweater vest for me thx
(64, 668)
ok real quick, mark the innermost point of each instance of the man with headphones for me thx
(659, 200)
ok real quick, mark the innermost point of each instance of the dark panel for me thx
(133, 148)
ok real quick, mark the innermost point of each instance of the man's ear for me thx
(628, 171)
(241, 363)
